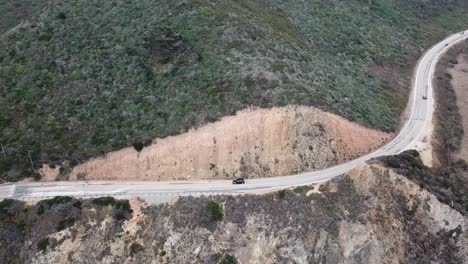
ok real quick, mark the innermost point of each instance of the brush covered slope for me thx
(81, 78)
(372, 215)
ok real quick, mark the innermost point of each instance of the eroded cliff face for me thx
(253, 143)
(371, 215)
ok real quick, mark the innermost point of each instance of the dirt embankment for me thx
(459, 83)
(253, 143)
(451, 139)
(451, 109)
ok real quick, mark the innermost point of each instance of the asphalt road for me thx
(410, 134)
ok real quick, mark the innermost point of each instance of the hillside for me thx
(82, 78)
(12, 12)
(372, 215)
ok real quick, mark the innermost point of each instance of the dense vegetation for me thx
(216, 211)
(121, 209)
(449, 186)
(12, 12)
(87, 77)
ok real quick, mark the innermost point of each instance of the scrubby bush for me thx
(121, 208)
(138, 146)
(43, 244)
(323, 187)
(303, 189)
(4, 204)
(104, 201)
(281, 194)
(111, 201)
(228, 259)
(215, 210)
(135, 248)
(66, 222)
(65, 201)
(20, 223)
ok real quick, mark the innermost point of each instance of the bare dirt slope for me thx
(459, 83)
(253, 143)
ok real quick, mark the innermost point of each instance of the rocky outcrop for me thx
(253, 143)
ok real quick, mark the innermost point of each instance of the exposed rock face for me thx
(371, 215)
(253, 143)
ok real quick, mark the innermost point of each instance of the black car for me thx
(238, 181)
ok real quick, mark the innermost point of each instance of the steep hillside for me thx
(83, 77)
(372, 215)
(254, 143)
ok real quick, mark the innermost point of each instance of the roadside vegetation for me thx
(448, 185)
(449, 128)
(121, 209)
(22, 223)
(449, 178)
(256, 228)
(84, 77)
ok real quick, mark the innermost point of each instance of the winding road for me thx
(421, 106)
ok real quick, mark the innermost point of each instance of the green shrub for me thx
(135, 248)
(49, 203)
(43, 244)
(20, 223)
(121, 208)
(281, 194)
(111, 201)
(138, 146)
(68, 221)
(228, 259)
(77, 204)
(323, 187)
(215, 211)
(104, 201)
(5, 203)
(303, 189)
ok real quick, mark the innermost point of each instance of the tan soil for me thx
(424, 144)
(459, 83)
(48, 173)
(253, 143)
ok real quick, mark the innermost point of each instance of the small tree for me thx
(138, 146)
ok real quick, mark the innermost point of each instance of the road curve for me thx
(421, 114)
